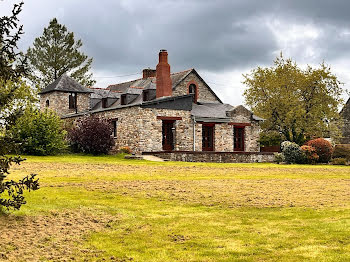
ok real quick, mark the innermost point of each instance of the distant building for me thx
(162, 111)
(345, 114)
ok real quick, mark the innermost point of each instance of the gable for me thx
(205, 93)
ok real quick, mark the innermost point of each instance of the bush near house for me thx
(91, 135)
(292, 152)
(39, 133)
(310, 155)
(323, 148)
(342, 151)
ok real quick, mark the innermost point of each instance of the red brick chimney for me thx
(163, 80)
(148, 72)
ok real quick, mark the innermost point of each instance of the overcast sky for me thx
(221, 39)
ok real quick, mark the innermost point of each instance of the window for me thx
(104, 102)
(47, 103)
(114, 128)
(145, 95)
(192, 89)
(73, 101)
(123, 99)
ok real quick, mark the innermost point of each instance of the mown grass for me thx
(174, 211)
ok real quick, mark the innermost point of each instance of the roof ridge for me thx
(149, 77)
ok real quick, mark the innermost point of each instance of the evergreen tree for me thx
(12, 90)
(57, 52)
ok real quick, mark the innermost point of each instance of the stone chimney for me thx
(163, 80)
(148, 72)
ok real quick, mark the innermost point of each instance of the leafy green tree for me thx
(297, 103)
(12, 93)
(57, 52)
(40, 133)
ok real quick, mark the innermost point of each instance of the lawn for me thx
(107, 208)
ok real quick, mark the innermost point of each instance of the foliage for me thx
(342, 151)
(323, 148)
(339, 161)
(57, 52)
(310, 154)
(40, 133)
(14, 190)
(125, 149)
(279, 158)
(91, 135)
(297, 103)
(270, 139)
(13, 94)
(292, 152)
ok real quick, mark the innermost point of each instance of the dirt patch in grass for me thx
(54, 237)
(234, 192)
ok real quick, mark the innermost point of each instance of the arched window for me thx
(192, 89)
(47, 103)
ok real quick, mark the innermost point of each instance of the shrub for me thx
(323, 148)
(125, 149)
(91, 135)
(342, 151)
(292, 152)
(40, 133)
(279, 157)
(339, 161)
(310, 155)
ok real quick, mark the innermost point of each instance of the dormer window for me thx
(192, 89)
(145, 95)
(104, 102)
(73, 101)
(123, 99)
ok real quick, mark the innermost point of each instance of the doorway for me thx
(208, 137)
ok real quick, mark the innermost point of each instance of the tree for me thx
(57, 52)
(40, 133)
(297, 103)
(12, 69)
(91, 135)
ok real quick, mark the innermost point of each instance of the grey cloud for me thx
(222, 35)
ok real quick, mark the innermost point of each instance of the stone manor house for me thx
(161, 112)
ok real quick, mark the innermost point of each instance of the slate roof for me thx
(149, 83)
(65, 84)
(215, 110)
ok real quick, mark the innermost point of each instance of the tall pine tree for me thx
(57, 52)
(12, 91)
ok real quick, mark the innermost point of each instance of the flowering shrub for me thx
(279, 157)
(91, 135)
(125, 149)
(292, 152)
(310, 155)
(323, 148)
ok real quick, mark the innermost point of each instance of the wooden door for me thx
(238, 139)
(168, 135)
(207, 137)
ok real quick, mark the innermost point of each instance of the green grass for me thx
(174, 211)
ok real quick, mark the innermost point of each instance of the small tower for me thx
(65, 96)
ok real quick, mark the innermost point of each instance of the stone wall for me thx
(203, 92)
(219, 157)
(140, 129)
(59, 102)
